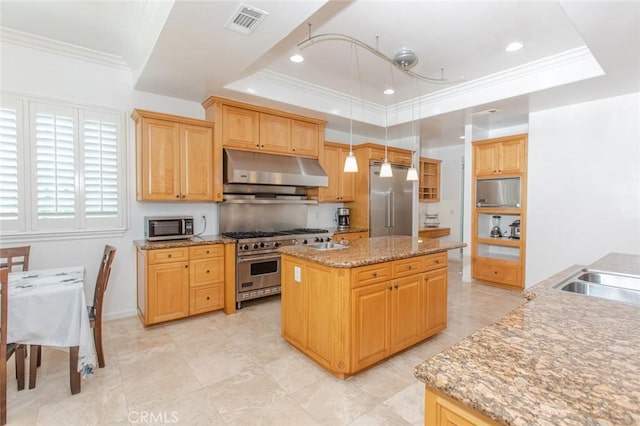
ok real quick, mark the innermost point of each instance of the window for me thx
(61, 169)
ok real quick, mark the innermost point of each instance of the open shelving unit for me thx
(499, 260)
(429, 180)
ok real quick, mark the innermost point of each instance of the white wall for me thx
(450, 206)
(42, 74)
(583, 184)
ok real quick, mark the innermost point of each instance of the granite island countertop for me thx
(559, 359)
(187, 242)
(366, 251)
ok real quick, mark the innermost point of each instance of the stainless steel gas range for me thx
(258, 259)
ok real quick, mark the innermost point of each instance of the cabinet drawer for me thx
(400, 158)
(206, 271)
(177, 254)
(205, 299)
(497, 272)
(435, 261)
(406, 267)
(201, 252)
(370, 274)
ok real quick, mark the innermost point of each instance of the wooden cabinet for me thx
(178, 282)
(429, 180)
(441, 410)
(499, 260)
(434, 232)
(341, 185)
(255, 128)
(174, 158)
(348, 237)
(500, 156)
(348, 319)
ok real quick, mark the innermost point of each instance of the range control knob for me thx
(261, 244)
(318, 239)
(328, 239)
(255, 246)
(304, 242)
(276, 244)
(245, 247)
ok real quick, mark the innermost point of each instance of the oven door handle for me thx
(271, 256)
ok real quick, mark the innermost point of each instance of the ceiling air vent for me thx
(245, 19)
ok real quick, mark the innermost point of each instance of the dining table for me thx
(47, 307)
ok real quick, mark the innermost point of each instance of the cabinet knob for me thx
(177, 195)
(169, 255)
(207, 271)
(208, 298)
(390, 288)
(437, 260)
(207, 251)
(410, 267)
(186, 266)
(257, 145)
(293, 149)
(375, 274)
(395, 286)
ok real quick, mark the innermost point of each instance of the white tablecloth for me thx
(47, 307)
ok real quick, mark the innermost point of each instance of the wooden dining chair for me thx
(15, 256)
(6, 350)
(95, 315)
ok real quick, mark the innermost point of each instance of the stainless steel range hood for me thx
(256, 168)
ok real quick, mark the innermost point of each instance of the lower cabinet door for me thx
(206, 298)
(406, 320)
(434, 294)
(371, 318)
(168, 292)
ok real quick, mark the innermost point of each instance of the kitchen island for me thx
(349, 308)
(560, 359)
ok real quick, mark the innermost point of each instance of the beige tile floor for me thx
(223, 370)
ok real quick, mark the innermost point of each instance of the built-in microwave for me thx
(498, 192)
(158, 228)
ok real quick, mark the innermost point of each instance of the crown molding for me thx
(55, 47)
(563, 68)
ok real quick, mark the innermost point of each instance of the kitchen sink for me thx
(605, 285)
(327, 246)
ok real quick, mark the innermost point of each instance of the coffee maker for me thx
(342, 217)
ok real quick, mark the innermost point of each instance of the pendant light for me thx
(350, 163)
(412, 173)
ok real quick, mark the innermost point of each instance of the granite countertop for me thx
(195, 241)
(559, 359)
(366, 251)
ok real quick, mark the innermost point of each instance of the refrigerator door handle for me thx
(387, 221)
(392, 207)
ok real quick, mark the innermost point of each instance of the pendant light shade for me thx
(412, 174)
(350, 163)
(385, 169)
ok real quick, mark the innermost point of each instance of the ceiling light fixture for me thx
(403, 60)
(296, 58)
(350, 163)
(512, 47)
(389, 92)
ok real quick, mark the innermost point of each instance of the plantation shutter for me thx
(100, 143)
(9, 201)
(55, 164)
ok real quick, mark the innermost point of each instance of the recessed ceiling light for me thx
(462, 137)
(512, 47)
(297, 58)
(389, 92)
(252, 91)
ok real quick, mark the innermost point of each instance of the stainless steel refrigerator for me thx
(390, 202)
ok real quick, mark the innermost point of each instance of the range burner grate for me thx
(306, 231)
(248, 234)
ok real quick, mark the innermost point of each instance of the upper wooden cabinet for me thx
(429, 180)
(254, 128)
(375, 152)
(174, 158)
(341, 185)
(500, 156)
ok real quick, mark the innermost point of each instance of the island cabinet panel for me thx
(295, 303)
(441, 410)
(406, 307)
(434, 302)
(371, 319)
(347, 319)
